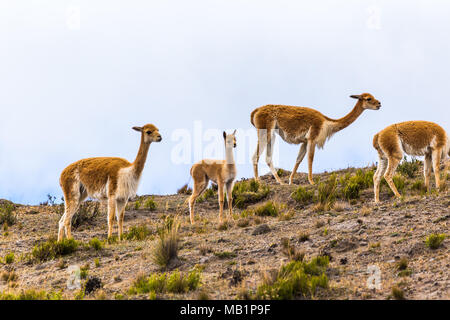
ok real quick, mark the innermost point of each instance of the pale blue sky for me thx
(71, 89)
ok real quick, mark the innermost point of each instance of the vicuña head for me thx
(300, 125)
(107, 179)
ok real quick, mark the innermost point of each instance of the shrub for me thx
(9, 258)
(150, 204)
(139, 233)
(31, 294)
(434, 241)
(207, 194)
(7, 215)
(96, 244)
(175, 282)
(327, 192)
(351, 190)
(303, 195)
(184, 190)
(296, 278)
(52, 249)
(419, 186)
(246, 192)
(408, 168)
(398, 293)
(225, 255)
(166, 249)
(86, 214)
(9, 276)
(269, 209)
(138, 203)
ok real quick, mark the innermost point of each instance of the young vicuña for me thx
(222, 172)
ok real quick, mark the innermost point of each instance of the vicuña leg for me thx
(311, 149)
(220, 192)
(389, 174)
(199, 187)
(270, 143)
(300, 156)
(381, 169)
(261, 145)
(111, 214)
(120, 215)
(427, 165)
(71, 206)
(436, 155)
(229, 192)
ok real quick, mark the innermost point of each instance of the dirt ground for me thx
(355, 235)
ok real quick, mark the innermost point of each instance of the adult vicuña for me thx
(113, 179)
(299, 125)
(222, 172)
(416, 138)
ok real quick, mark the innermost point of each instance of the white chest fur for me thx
(127, 183)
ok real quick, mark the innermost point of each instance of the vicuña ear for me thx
(224, 135)
(234, 132)
(137, 129)
(355, 96)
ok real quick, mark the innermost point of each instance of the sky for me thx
(76, 76)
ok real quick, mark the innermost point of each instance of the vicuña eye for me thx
(148, 132)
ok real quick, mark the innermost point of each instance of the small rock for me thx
(261, 229)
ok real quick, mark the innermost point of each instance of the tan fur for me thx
(300, 125)
(221, 172)
(417, 138)
(104, 178)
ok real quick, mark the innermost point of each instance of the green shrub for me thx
(294, 279)
(399, 182)
(175, 282)
(52, 249)
(225, 255)
(419, 186)
(408, 168)
(139, 233)
(246, 192)
(207, 194)
(9, 258)
(269, 209)
(303, 195)
(31, 295)
(138, 203)
(351, 190)
(327, 194)
(434, 241)
(150, 204)
(96, 244)
(7, 215)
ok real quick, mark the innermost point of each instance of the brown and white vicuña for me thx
(110, 179)
(221, 172)
(300, 125)
(415, 138)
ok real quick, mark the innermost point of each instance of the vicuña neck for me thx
(139, 162)
(344, 122)
(229, 157)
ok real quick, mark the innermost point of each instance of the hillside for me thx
(235, 258)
